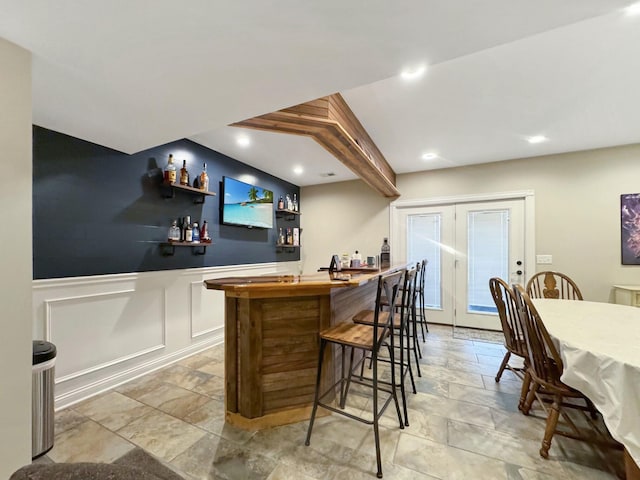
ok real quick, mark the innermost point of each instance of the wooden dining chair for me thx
(369, 340)
(514, 342)
(553, 285)
(542, 378)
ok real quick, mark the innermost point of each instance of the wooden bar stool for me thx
(368, 340)
(401, 325)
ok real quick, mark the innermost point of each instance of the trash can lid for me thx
(43, 351)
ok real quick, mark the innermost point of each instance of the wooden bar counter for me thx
(271, 340)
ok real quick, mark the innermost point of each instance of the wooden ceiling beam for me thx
(331, 123)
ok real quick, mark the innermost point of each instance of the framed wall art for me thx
(630, 228)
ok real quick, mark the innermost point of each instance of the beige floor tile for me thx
(214, 368)
(481, 396)
(505, 385)
(88, 442)
(443, 373)
(161, 434)
(210, 417)
(67, 419)
(451, 409)
(184, 377)
(113, 410)
(446, 462)
(290, 472)
(174, 400)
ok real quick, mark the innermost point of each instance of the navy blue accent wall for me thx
(99, 211)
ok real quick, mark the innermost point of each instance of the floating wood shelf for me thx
(331, 123)
(169, 189)
(169, 248)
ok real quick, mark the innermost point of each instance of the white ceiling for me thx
(131, 75)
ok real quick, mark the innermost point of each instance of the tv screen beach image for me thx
(246, 204)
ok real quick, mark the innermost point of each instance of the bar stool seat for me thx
(353, 335)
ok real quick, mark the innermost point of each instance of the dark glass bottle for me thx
(385, 254)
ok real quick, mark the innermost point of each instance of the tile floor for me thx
(463, 425)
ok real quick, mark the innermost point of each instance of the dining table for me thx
(600, 347)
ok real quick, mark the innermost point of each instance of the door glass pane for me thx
(488, 256)
(423, 242)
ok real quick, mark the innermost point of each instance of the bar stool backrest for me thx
(409, 291)
(388, 287)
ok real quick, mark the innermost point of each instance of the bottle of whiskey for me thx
(385, 254)
(188, 233)
(170, 171)
(289, 237)
(186, 221)
(184, 174)
(203, 181)
(280, 236)
(281, 203)
(295, 202)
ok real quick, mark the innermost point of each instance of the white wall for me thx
(110, 329)
(577, 203)
(15, 258)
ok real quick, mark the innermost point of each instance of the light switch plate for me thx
(544, 259)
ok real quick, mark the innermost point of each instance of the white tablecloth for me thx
(600, 346)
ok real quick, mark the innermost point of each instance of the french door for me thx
(465, 244)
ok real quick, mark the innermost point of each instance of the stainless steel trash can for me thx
(44, 359)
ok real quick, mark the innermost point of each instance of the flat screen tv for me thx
(246, 205)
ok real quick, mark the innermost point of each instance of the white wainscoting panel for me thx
(110, 329)
(205, 308)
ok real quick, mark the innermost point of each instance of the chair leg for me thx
(552, 423)
(316, 397)
(403, 392)
(524, 390)
(423, 313)
(376, 432)
(394, 383)
(503, 365)
(407, 346)
(592, 409)
(414, 327)
(349, 373)
(531, 396)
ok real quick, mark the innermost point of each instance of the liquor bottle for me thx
(184, 174)
(174, 232)
(188, 234)
(289, 237)
(385, 254)
(280, 236)
(204, 232)
(186, 221)
(295, 202)
(203, 181)
(289, 203)
(195, 233)
(170, 170)
(281, 203)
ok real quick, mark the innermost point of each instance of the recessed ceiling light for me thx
(298, 170)
(243, 140)
(429, 156)
(633, 9)
(413, 73)
(537, 139)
